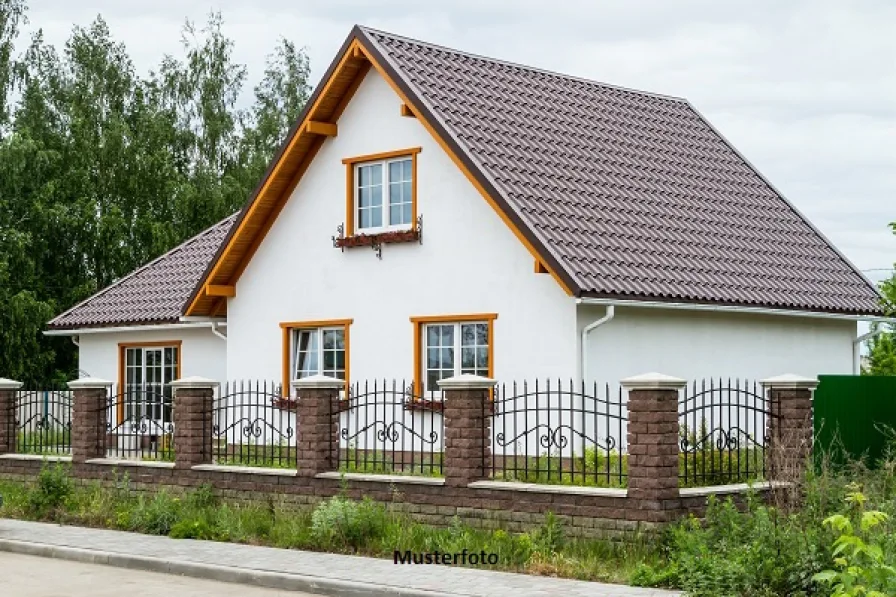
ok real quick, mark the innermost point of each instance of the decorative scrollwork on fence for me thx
(556, 437)
(720, 438)
(381, 429)
(389, 432)
(254, 428)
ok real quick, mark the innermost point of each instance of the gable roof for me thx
(155, 293)
(618, 193)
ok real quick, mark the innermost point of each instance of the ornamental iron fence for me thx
(723, 432)
(383, 427)
(42, 422)
(559, 433)
(139, 424)
(253, 424)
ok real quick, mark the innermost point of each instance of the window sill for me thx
(424, 404)
(376, 240)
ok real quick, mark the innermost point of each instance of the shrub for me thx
(46, 499)
(860, 562)
(342, 522)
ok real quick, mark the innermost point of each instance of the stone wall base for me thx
(614, 518)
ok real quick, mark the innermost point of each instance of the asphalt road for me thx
(30, 576)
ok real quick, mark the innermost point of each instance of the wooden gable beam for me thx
(220, 290)
(315, 127)
(407, 112)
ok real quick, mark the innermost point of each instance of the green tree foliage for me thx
(882, 347)
(102, 168)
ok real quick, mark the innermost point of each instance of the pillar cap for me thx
(194, 381)
(89, 383)
(467, 381)
(9, 384)
(789, 381)
(320, 382)
(653, 381)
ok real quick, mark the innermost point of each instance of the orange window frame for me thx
(352, 163)
(419, 321)
(286, 328)
(123, 346)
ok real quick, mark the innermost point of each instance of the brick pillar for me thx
(89, 406)
(8, 389)
(192, 414)
(790, 430)
(653, 446)
(317, 426)
(468, 428)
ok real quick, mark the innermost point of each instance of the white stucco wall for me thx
(695, 345)
(469, 262)
(202, 353)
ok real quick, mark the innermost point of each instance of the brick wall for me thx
(651, 500)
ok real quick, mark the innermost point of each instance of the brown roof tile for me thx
(155, 293)
(634, 195)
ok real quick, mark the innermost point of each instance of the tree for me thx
(882, 347)
(102, 170)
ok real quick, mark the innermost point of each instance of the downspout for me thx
(76, 340)
(579, 423)
(857, 349)
(217, 332)
(608, 316)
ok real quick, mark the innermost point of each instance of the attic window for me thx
(382, 192)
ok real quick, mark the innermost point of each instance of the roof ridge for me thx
(527, 67)
(117, 283)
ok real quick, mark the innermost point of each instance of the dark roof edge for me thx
(512, 64)
(293, 131)
(124, 279)
(731, 306)
(786, 201)
(544, 250)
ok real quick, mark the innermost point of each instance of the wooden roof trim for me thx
(354, 48)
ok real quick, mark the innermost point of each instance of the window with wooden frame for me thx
(451, 345)
(315, 348)
(381, 192)
(145, 372)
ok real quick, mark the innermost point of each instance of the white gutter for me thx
(76, 341)
(131, 328)
(733, 309)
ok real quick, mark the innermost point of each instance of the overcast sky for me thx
(806, 89)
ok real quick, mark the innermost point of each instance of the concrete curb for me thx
(246, 576)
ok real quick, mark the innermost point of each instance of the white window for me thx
(443, 343)
(148, 373)
(318, 351)
(384, 194)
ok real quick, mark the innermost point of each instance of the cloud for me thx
(806, 89)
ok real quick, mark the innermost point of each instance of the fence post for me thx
(192, 414)
(317, 413)
(89, 418)
(653, 446)
(790, 428)
(8, 389)
(468, 428)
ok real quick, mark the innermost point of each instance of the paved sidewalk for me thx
(328, 574)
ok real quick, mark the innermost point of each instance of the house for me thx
(435, 212)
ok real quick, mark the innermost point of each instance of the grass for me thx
(340, 525)
(46, 442)
(755, 550)
(256, 455)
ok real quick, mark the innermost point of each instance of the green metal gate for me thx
(855, 417)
